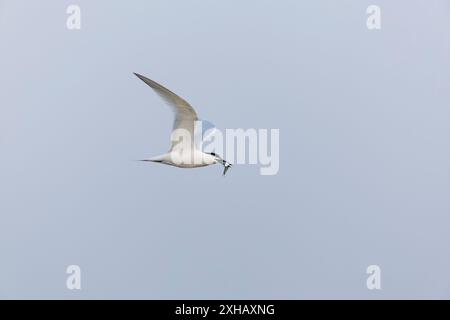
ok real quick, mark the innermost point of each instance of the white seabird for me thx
(183, 152)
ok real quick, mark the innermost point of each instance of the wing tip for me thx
(149, 82)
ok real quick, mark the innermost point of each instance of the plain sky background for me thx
(364, 149)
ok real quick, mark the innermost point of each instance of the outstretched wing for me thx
(185, 115)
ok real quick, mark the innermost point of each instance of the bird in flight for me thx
(183, 152)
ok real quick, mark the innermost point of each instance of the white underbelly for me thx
(190, 160)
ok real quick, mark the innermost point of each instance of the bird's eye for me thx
(213, 154)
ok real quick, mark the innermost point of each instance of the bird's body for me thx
(183, 152)
(194, 160)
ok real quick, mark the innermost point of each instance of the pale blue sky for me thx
(364, 152)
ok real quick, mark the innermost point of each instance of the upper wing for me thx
(185, 115)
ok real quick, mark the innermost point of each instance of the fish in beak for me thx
(226, 166)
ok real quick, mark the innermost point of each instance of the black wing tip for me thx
(148, 81)
(140, 76)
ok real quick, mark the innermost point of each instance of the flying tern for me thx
(183, 152)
